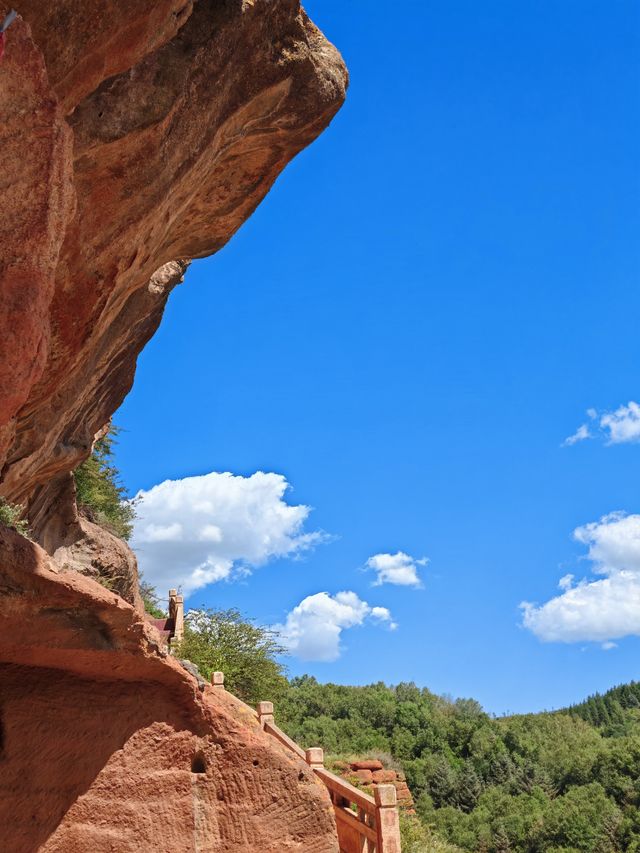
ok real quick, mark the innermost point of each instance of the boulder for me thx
(367, 764)
(384, 776)
(363, 776)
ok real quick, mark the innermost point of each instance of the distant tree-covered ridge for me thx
(100, 493)
(610, 711)
(537, 783)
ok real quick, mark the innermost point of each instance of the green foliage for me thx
(11, 515)
(99, 492)
(614, 712)
(584, 819)
(560, 782)
(151, 600)
(418, 838)
(222, 640)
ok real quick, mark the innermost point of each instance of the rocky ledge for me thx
(135, 137)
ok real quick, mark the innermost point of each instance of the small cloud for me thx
(580, 434)
(400, 569)
(609, 645)
(621, 426)
(196, 531)
(312, 630)
(566, 582)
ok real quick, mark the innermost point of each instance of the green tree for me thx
(418, 838)
(99, 491)
(442, 783)
(222, 640)
(584, 819)
(475, 780)
(501, 843)
(468, 789)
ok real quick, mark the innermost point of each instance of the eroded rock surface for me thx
(187, 125)
(107, 744)
(135, 137)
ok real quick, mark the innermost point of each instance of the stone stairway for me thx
(364, 824)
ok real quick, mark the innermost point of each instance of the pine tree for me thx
(469, 788)
(442, 783)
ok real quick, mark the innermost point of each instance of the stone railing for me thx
(365, 824)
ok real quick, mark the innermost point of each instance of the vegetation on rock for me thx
(11, 515)
(222, 640)
(151, 599)
(99, 491)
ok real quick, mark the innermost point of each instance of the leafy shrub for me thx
(418, 838)
(11, 515)
(99, 492)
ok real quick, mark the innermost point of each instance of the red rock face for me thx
(37, 203)
(370, 772)
(181, 120)
(384, 776)
(134, 137)
(363, 776)
(367, 764)
(107, 744)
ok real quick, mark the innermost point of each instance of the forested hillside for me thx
(561, 782)
(609, 711)
(557, 782)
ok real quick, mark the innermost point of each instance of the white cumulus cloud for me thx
(621, 426)
(399, 568)
(603, 609)
(313, 629)
(192, 532)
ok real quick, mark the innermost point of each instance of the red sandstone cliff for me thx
(101, 732)
(134, 137)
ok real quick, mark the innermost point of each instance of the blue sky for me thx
(422, 310)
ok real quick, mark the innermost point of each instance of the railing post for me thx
(217, 679)
(265, 713)
(315, 757)
(387, 821)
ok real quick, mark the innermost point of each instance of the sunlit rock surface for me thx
(135, 137)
